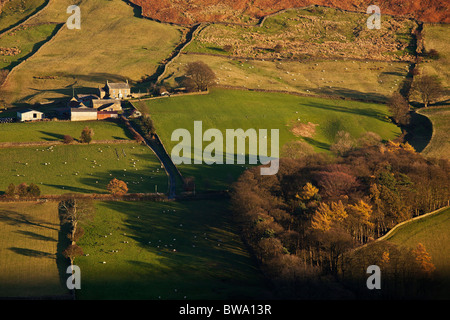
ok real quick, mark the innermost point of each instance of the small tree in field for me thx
(86, 135)
(11, 190)
(67, 139)
(117, 187)
(72, 252)
(201, 74)
(33, 190)
(399, 109)
(429, 89)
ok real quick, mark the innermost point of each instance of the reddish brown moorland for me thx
(194, 11)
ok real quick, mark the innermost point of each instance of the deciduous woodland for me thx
(300, 222)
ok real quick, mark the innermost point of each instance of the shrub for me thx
(68, 139)
(117, 187)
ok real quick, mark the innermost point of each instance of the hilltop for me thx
(245, 11)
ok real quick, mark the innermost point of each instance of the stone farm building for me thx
(98, 107)
(29, 115)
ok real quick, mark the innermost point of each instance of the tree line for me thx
(301, 221)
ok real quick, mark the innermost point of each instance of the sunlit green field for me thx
(176, 251)
(82, 168)
(234, 109)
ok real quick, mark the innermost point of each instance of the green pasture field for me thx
(432, 232)
(113, 44)
(82, 168)
(167, 251)
(55, 131)
(439, 146)
(361, 80)
(28, 39)
(233, 109)
(436, 37)
(30, 255)
(15, 11)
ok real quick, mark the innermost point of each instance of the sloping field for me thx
(166, 251)
(30, 258)
(112, 44)
(251, 10)
(439, 146)
(315, 121)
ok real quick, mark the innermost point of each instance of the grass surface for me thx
(233, 109)
(29, 252)
(433, 233)
(112, 44)
(210, 261)
(314, 32)
(55, 131)
(88, 168)
(370, 80)
(15, 11)
(439, 146)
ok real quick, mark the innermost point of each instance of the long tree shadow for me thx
(35, 236)
(419, 131)
(18, 219)
(32, 253)
(367, 112)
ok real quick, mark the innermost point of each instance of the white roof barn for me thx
(29, 115)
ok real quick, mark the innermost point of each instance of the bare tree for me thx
(74, 211)
(201, 74)
(399, 109)
(429, 89)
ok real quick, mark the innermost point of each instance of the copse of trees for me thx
(315, 209)
(23, 190)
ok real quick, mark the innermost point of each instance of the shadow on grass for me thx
(32, 253)
(36, 236)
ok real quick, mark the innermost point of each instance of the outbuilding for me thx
(29, 115)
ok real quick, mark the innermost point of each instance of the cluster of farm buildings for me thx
(82, 107)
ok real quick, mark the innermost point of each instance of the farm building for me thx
(113, 90)
(106, 104)
(29, 115)
(83, 114)
(101, 115)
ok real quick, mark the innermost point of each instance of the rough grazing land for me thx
(188, 12)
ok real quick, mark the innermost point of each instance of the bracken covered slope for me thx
(193, 11)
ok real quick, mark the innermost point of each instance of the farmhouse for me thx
(115, 90)
(29, 115)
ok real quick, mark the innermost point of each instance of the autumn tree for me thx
(201, 74)
(74, 211)
(428, 88)
(72, 251)
(399, 109)
(343, 143)
(87, 135)
(117, 187)
(423, 259)
(11, 190)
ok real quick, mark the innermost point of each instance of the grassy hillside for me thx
(176, 250)
(432, 232)
(16, 11)
(112, 44)
(82, 168)
(234, 109)
(30, 254)
(439, 146)
(55, 131)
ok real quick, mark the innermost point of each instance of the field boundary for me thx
(24, 21)
(389, 233)
(4, 145)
